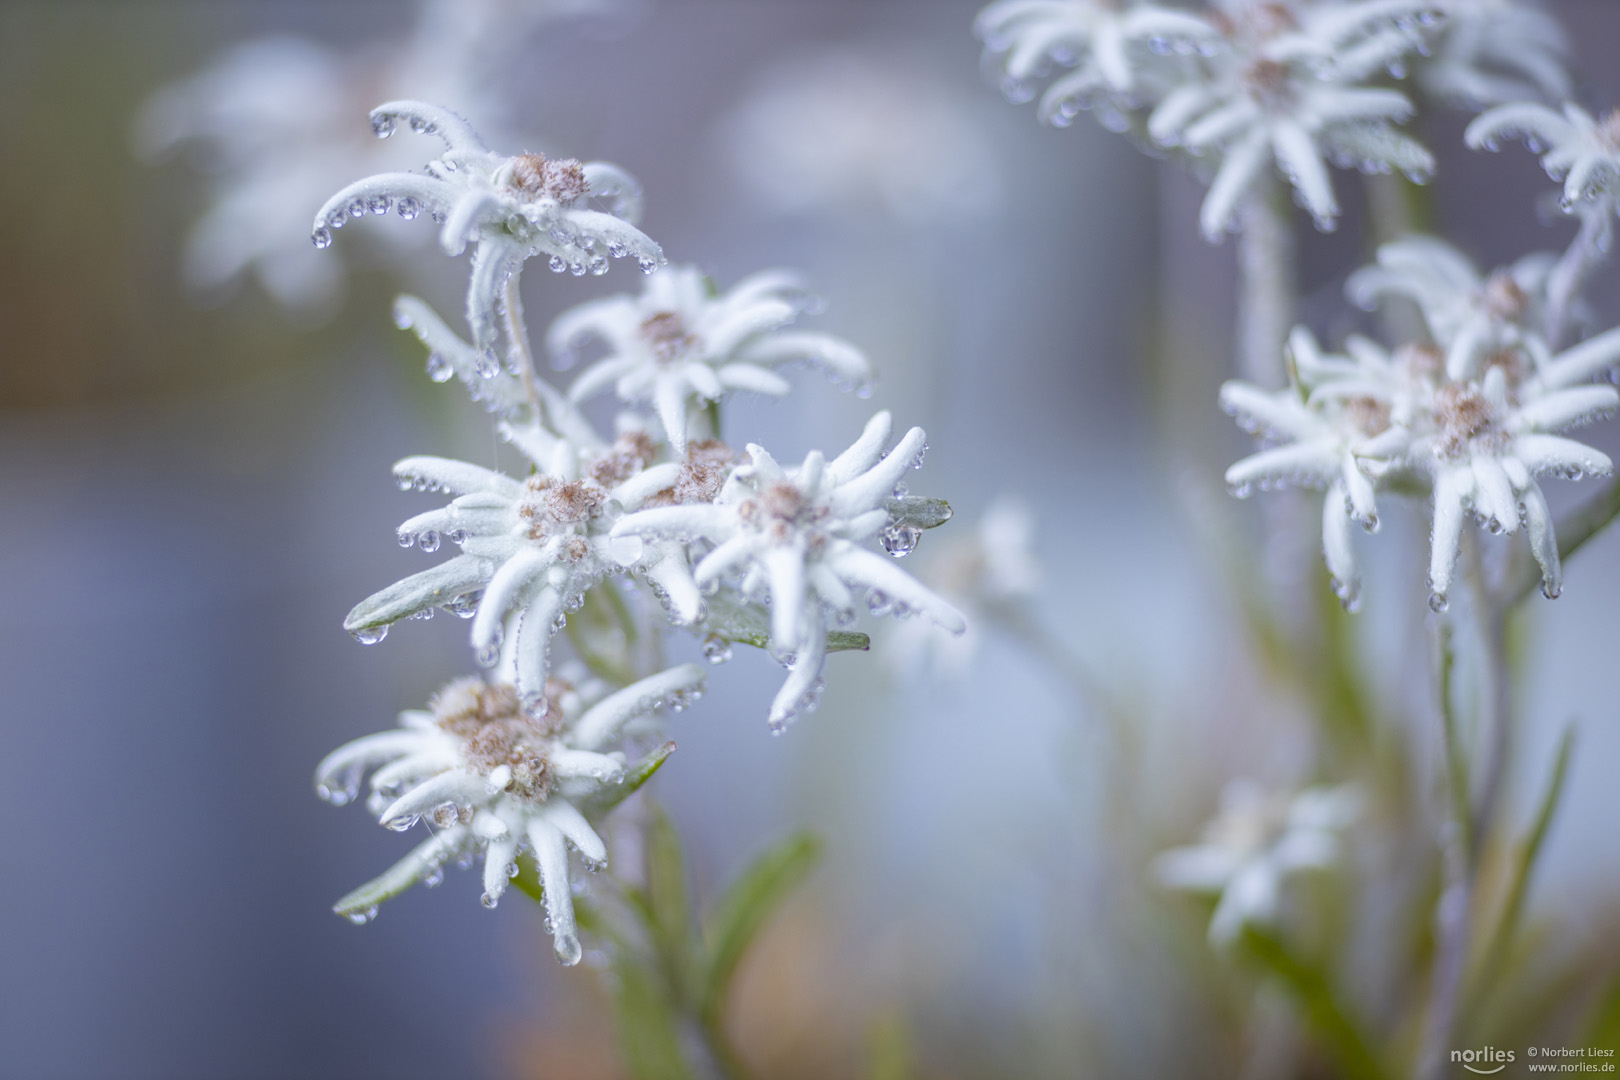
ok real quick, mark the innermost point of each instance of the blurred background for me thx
(198, 412)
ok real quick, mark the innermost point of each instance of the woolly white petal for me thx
(551, 854)
(604, 719)
(501, 594)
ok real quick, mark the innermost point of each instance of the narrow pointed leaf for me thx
(747, 906)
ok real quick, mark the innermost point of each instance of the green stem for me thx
(1323, 1011)
(1496, 953)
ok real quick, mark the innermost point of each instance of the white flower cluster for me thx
(496, 779)
(735, 548)
(1471, 415)
(275, 125)
(1243, 84)
(1257, 841)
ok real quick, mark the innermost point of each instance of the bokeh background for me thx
(194, 489)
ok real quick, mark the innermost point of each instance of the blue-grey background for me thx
(191, 496)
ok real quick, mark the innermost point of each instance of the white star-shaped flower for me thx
(1317, 436)
(1106, 45)
(1287, 85)
(1256, 842)
(508, 208)
(1483, 442)
(530, 548)
(795, 538)
(1492, 52)
(1575, 147)
(680, 345)
(497, 778)
(1469, 315)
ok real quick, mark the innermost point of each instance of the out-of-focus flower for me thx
(1107, 45)
(1492, 52)
(1250, 84)
(1475, 316)
(1257, 841)
(985, 571)
(1473, 416)
(499, 779)
(794, 538)
(509, 209)
(1317, 440)
(275, 125)
(1575, 147)
(841, 132)
(680, 344)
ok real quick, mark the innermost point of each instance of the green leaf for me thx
(892, 1055)
(1458, 776)
(649, 1029)
(751, 626)
(1496, 954)
(919, 512)
(746, 907)
(1317, 1001)
(666, 905)
(607, 798)
(435, 586)
(397, 878)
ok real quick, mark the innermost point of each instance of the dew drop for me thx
(489, 900)
(357, 208)
(402, 824)
(408, 208)
(900, 540)
(435, 877)
(568, 949)
(489, 655)
(878, 602)
(321, 237)
(716, 649)
(438, 368)
(1438, 602)
(406, 538)
(382, 125)
(379, 204)
(370, 635)
(558, 264)
(647, 265)
(361, 917)
(428, 542)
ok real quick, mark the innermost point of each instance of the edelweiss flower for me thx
(679, 345)
(1478, 443)
(1319, 437)
(1470, 316)
(502, 779)
(509, 208)
(1105, 43)
(1491, 52)
(1574, 147)
(277, 122)
(1256, 842)
(1287, 84)
(1483, 442)
(532, 547)
(792, 538)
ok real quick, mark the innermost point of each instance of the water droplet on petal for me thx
(1438, 602)
(382, 125)
(489, 900)
(321, 237)
(439, 368)
(900, 540)
(370, 635)
(568, 949)
(428, 542)
(408, 208)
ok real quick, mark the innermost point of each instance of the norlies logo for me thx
(1485, 1061)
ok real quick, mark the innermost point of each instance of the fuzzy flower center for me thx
(538, 177)
(1465, 418)
(1369, 415)
(496, 732)
(554, 508)
(1423, 362)
(1608, 132)
(629, 454)
(666, 335)
(1271, 85)
(781, 511)
(1504, 298)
